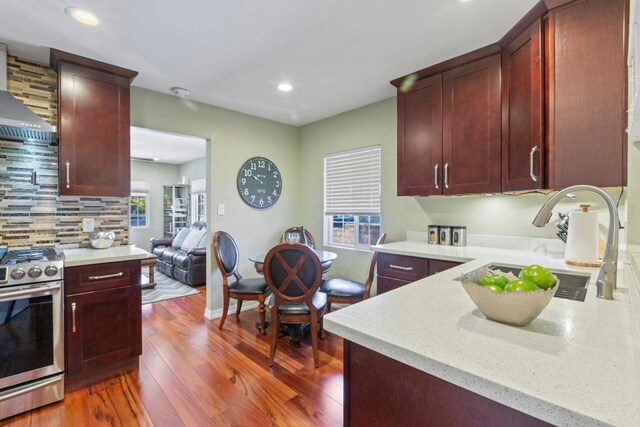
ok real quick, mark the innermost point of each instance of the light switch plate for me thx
(221, 209)
(88, 225)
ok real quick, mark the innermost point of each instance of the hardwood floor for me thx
(192, 374)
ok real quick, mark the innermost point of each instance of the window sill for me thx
(348, 248)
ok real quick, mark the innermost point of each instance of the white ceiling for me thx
(166, 147)
(337, 54)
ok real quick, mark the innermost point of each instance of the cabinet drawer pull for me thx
(531, 154)
(446, 175)
(67, 168)
(106, 276)
(73, 317)
(435, 175)
(399, 267)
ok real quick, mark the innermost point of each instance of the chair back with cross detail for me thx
(293, 273)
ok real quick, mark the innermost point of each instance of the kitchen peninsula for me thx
(436, 357)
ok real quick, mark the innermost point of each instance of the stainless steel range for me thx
(31, 329)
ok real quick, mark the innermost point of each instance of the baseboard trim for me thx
(216, 314)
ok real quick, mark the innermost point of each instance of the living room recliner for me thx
(184, 256)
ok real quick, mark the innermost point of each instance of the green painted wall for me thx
(234, 138)
(376, 125)
(195, 169)
(157, 175)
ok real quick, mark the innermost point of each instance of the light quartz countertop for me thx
(87, 256)
(578, 363)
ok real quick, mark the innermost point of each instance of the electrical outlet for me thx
(220, 209)
(88, 225)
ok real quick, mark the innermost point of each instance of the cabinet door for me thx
(420, 138)
(472, 131)
(102, 328)
(437, 266)
(402, 267)
(586, 76)
(522, 112)
(93, 132)
(386, 284)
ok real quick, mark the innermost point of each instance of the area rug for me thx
(166, 288)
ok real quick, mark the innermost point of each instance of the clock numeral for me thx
(253, 198)
(269, 199)
(253, 166)
(247, 172)
(277, 184)
(275, 174)
(261, 164)
(261, 202)
(269, 167)
(246, 191)
(244, 181)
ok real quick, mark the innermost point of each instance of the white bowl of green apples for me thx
(505, 298)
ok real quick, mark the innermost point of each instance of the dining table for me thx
(323, 256)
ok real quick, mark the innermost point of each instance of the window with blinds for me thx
(139, 205)
(352, 192)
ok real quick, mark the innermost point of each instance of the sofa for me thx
(183, 257)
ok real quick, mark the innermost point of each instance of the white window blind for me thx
(352, 182)
(139, 187)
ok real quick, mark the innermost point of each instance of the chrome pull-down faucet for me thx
(607, 277)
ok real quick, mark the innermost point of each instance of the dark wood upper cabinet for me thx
(93, 126)
(420, 138)
(471, 127)
(522, 111)
(586, 78)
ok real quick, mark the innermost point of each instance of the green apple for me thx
(495, 280)
(495, 288)
(520, 285)
(539, 276)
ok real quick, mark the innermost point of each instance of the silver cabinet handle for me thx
(73, 317)
(435, 175)
(446, 175)
(398, 267)
(531, 154)
(68, 181)
(106, 276)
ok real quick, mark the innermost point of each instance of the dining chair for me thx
(225, 251)
(293, 274)
(345, 291)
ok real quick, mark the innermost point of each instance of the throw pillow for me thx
(203, 242)
(192, 239)
(180, 237)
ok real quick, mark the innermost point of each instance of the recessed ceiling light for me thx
(285, 87)
(82, 16)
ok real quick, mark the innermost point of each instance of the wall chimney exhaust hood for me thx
(17, 121)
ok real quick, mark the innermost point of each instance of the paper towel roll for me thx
(582, 241)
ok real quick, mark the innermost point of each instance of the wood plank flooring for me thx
(192, 374)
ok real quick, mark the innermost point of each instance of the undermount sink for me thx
(573, 285)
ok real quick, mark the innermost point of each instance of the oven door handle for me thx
(30, 292)
(30, 387)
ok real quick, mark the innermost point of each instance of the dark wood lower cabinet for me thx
(103, 328)
(395, 271)
(380, 391)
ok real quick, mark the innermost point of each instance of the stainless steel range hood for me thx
(17, 121)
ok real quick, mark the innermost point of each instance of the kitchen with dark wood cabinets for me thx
(541, 109)
(93, 126)
(395, 271)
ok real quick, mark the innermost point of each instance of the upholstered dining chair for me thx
(293, 274)
(347, 291)
(225, 251)
(292, 235)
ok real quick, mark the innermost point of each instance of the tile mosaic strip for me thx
(34, 215)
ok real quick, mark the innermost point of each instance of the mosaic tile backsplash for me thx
(34, 214)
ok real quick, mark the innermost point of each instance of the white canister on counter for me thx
(582, 239)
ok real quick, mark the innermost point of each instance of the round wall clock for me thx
(259, 182)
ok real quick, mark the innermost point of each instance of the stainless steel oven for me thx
(31, 336)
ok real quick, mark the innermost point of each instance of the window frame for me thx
(147, 217)
(329, 217)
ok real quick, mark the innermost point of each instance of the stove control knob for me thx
(35, 272)
(51, 270)
(18, 274)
